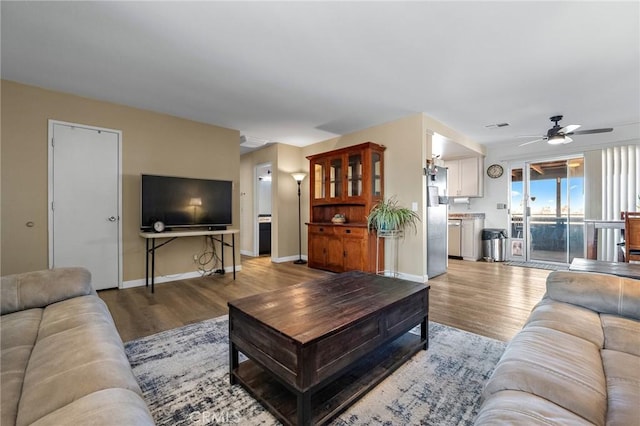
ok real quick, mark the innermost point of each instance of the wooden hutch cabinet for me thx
(347, 181)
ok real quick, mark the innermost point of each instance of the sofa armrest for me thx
(41, 288)
(602, 293)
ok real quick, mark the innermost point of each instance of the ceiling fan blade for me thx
(590, 131)
(534, 141)
(530, 136)
(568, 129)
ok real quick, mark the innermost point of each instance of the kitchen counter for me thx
(466, 215)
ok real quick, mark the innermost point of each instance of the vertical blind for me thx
(620, 189)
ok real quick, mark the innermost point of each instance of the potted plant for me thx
(387, 217)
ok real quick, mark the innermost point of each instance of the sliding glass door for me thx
(547, 210)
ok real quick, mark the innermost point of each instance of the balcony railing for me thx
(549, 233)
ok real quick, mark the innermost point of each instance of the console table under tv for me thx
(151, 238)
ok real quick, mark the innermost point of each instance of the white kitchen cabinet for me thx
(471, 239)
(465, 177)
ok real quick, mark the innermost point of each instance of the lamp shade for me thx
(195, 201)
(299, 176)
(556, 140)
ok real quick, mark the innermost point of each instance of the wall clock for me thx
(494, 171)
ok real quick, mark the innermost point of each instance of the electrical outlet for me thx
(195, 257)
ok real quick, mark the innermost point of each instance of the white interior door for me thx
(84, 201)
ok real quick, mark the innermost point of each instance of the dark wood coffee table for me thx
(315, 348)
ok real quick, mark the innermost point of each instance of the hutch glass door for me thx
(354, 175)
(335, 178)
(318, 180)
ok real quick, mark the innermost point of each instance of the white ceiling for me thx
(302, 72)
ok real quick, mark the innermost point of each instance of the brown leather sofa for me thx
(62, 360)
(577, 359)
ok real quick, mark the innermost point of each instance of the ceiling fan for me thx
(559, 135)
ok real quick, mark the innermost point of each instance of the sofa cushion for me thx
(76, 312)
(105, 407)
(556, 366)
(73, 358)
(602, 293)
(41, 288)
(623, 387)
(621, 334)
(571, 319)
(19, 334)
(521, 408)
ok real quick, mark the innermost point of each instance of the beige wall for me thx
(290, 160)
(152, 143)
(432, 125)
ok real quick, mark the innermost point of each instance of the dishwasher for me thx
(455, 226)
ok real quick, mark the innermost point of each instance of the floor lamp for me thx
(299, 177)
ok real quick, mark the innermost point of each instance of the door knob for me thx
(112, 219)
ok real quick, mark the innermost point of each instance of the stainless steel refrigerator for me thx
(437, 214)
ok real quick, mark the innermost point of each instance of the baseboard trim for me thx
(287, 259)
(411, 277)
(174, 277)
(408, 277)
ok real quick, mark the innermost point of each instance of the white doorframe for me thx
(50, 187)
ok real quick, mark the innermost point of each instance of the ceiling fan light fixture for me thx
(556, 140)
(558, 135)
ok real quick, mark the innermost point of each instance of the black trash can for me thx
(494, 244)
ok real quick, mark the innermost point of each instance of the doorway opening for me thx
(547, 210)
(263, 192)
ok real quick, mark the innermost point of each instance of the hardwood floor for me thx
(490, 299)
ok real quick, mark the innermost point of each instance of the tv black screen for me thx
(185, 202)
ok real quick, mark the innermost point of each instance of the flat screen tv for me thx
(185, 202)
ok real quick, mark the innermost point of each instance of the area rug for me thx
(184, 377)
(547, 266)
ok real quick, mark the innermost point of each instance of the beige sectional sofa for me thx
(62, 359)
(577, 359)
